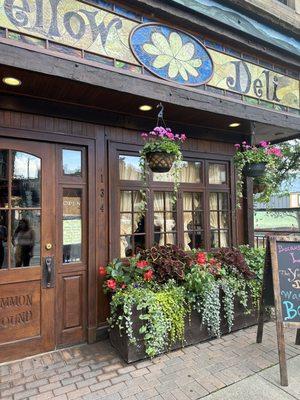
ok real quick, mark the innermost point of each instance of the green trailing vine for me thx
(162, 311)
(162, 285)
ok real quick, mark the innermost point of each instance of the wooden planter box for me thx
(195, 333)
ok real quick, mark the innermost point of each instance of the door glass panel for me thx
(3, 239)
(72, 225)
(26, 244)
(71, 160)
(4, 178)
(26, 172)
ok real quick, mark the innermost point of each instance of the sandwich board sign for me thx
(281, 288)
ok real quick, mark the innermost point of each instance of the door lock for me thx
(48, 246)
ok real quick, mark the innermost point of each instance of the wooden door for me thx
(27, 248)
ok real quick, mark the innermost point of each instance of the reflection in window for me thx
(3, 239)
(71, 160)
(129, 168)
(4, 178)
(219, 219)
(164, 219)
(193, 221)
(190, 172)
(132, 223)
(26, 172)
(217, 174)
(26, 245)
(72, 225)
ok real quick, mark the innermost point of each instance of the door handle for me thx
(48, 272)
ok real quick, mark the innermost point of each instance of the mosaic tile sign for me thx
(168, 53)
(236, 75)
(172, 54)
(71, 23)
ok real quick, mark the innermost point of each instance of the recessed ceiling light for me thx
(234, 125)
(145, 107)
(9, 80)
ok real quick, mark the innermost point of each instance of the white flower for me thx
(174, 53)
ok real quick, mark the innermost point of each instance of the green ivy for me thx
(162, 309)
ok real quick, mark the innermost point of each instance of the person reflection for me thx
(23, 240)
(3, 238)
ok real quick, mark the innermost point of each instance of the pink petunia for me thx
(263, 143)
(237, 145)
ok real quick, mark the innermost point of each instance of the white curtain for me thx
(126, 219)
(214, 206)
(187, 218)
(129, 168)
(217, 174)
(159, 217)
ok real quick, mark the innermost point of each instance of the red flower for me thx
(142, 264)
(123, 286)
(102, 271)
(212, 261)
(148, 276)
(111, 284)
(201, 258)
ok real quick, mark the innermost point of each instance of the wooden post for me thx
(278, 309)
(298, 337)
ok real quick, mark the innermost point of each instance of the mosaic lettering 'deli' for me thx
(171, 54)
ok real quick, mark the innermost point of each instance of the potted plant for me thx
(172, 298)
(257, 161)
(162, 149)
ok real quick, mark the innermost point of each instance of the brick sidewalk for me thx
(96, 372)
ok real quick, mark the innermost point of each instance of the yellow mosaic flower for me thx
(171, 51)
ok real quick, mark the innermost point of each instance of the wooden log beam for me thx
(45, 62)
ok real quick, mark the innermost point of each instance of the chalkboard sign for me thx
(288, 256)
(281, 288)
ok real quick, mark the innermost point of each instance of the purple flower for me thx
(144, 135)
(263, 143)
(237, 145)
(183, 137)
(244, 142)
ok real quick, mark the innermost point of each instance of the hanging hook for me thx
(160, 115)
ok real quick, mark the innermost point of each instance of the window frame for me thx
(116, 185)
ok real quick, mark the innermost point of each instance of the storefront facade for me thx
(70, 141)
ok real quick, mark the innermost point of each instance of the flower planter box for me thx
(195, 333)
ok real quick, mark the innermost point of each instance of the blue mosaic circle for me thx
(171, 54)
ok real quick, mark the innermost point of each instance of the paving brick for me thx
(78, 393)
(86, 382)
(25, 394)
(64, 389)
(50, 386)
(100, 385)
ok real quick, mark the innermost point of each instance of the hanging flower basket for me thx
(259, 187)
(159, 161)
(260, 161)
(255, 170)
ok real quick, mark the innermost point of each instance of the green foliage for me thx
(162, 311)
(208, 286)
(262, 153)
(164, 145)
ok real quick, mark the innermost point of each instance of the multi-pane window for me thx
(132, 223)
(193, 222)
(164, 218)
(198, 218)
(20, 209)
(219, 219)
